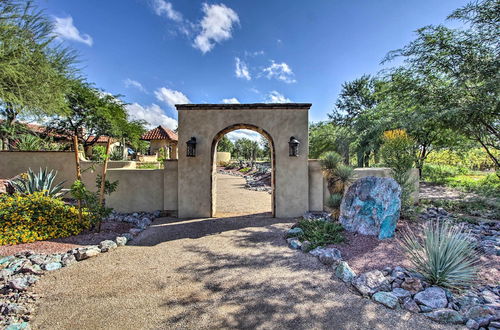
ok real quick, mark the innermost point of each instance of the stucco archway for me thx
(278, 121)
(216, 140)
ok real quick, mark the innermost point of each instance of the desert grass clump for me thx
(445, 254)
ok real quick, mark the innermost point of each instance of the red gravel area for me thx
(364, 253)
(109, 230)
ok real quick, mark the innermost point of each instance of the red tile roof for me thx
(101, 139)
(160, 133)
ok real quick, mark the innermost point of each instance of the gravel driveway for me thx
(234, 272)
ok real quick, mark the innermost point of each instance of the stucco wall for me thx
(318, 188)
(205, 121)
(138, 190)
(223, 157)
(13, 163)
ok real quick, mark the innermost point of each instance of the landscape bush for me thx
(30, 182)
(34, 217)
(486, 185)
(398, 153)
(441, 173)
(320, 232)
(444, 254)
(245, 169)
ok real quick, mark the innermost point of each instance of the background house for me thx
(163, 142)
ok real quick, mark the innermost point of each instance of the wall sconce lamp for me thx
(293, 147)
(191, 147)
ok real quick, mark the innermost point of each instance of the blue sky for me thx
(157, 52)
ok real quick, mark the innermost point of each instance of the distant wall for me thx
(318, 188)
(223, 157)
(13, 163)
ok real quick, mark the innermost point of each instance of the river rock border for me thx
(20, 271)
(399, 288)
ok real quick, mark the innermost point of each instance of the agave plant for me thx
(34, 182)
(445, 254)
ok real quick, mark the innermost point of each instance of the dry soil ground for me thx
(226, 272)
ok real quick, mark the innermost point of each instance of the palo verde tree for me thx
(461, 69)
(33, 68)
(356, 110)
(93, 113)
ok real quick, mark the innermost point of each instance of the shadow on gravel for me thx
(169, 229)
(271, 289)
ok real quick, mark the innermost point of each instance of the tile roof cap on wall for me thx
(245, 106)
(101, 139)
(160, 133)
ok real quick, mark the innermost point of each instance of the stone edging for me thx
(20, 271)
(399, 288)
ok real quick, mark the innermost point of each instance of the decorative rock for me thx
(68, 260)
(494, 325)
(107, 245)
(432, 297)
(370, 282)
(413, 285)
(19, 284)
(6, 260)
(330, 256)
(294, 232)
(410, 305)
(344, 272)
(445, 315)
(481, 314)
(489, 296)
(294, 243)
(401, 293)
(135, 231)
(371, 206)
(30, 268)
(121, 240)
(18, 326)
(128, 236)
(386, 298)
(53, 266)
(471, 324)
(85, 253)
(327, 256)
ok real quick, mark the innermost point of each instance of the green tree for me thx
(225, 145)
(356, 110)
(461, 69)
(33, 68)
(91, 112)
(246, 149)
(326, 136)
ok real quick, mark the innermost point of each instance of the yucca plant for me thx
(40, 182)
(29, 142)
(445, 254)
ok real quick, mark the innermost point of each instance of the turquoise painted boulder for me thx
(371, 206)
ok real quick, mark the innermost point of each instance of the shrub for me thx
(98, 153)
(445, 255)
(441, 173)
(245, 169)
(30, 142)
(41, 182)
(488, 185)
(398, 153)
(34, 217)
(321, 232)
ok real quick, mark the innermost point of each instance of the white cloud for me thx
(241, 69)
(255, 53)
(134, 83)
(244, 133)
(65, 29)
(232, 100)
(280, 71)
(216, 26)
(171, 97)
(154, 115)
(276, 97)
(162, 7)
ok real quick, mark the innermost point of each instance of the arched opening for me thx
(213, 175)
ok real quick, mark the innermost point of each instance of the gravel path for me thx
(234, 200)
(234, 272)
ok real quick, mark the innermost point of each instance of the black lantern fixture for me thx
(191, 147)
(293, 147)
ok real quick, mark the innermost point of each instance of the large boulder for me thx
(371, 282)
(371, 206)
